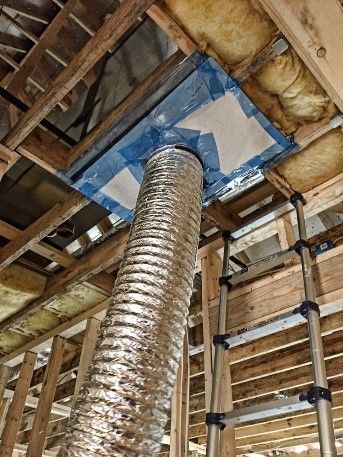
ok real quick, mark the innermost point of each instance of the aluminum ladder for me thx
(318, 396)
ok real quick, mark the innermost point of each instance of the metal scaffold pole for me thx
(213, 418)
(319, 394)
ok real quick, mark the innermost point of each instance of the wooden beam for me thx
(163, 20)
(133, 99)
(52, 219)
(88, 346)
(16, 409)
(111, 31)
(36, 444)
(305, 24)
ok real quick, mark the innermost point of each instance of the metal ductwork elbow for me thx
(125, 400)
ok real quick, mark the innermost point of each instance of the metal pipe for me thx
(213, 431)
(125, 401)
(323, 406)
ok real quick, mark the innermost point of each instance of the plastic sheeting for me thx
(207, 112)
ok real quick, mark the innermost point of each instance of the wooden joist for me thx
(305, 24)
(16, 409)
(52, 219)
(160, 16)
(111, 31)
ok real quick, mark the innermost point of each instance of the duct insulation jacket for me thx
(125, 400)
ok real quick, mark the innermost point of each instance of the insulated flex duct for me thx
(124, 403)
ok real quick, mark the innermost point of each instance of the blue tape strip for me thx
(205, 84)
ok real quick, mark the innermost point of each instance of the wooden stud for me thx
(180, 407)
(88, 346)
(227, 436)
(40, 424)
(16, 409)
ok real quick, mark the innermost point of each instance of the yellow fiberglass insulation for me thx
(302, 98)
(235, 31)
(315, 164)
(232, 31)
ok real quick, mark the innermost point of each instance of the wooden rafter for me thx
(111, 31)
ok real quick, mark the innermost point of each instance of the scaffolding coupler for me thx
(298, 245)
(315, 394)
(215, 419)
(307, 306)
(297, 196)
(221, 340)
(225, 281)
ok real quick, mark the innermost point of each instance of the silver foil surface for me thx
(124, 403)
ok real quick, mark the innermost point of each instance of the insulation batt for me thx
(235, 31)
(318, 162)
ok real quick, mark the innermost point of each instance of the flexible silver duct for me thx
(125, 400)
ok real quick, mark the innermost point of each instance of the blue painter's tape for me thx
(160, 127)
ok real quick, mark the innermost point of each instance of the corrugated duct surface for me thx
(285, 90)
(124, 404)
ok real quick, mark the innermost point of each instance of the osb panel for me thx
(18, 287)
(79, 299)
(315, 164)
(235, 31)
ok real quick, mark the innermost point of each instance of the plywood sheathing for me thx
(285, 90)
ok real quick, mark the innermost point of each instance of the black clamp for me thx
(215, 418)
(226, 235)
(307, 306)
(225, 281)
(297, 196)
(220, 340)
(315, 394)
(298, 245)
